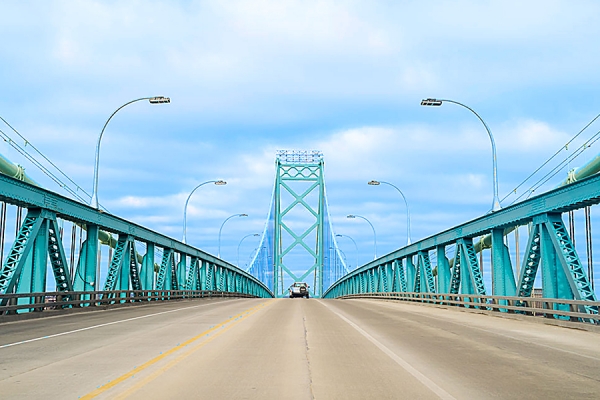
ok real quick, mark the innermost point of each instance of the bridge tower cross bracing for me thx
(299, 176)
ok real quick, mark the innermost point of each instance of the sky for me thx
(248, 78)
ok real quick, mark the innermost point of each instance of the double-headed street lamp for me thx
(218, 183)
(221, 229)
(355, 246)
(240, 243)
(438, 102)
(377, 183)
(152, 100)
(374, 234)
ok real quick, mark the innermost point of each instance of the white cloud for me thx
(527, 136)
(249, 78)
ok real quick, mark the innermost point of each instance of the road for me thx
(294, 349)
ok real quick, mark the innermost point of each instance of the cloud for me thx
(527, 136)
(249, 78)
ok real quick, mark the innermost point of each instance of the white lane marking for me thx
(498, 333)
(99, 326)
(409, 368)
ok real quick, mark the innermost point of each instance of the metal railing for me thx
(562, 309)
(87, 300)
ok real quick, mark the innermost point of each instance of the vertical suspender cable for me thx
(72, 258)
(572, 226)
(481, 261)
(2, 230)
(517, 259)
(80, 239)
(110, 256)
(97, 283)
(588, 240)
(18, 221)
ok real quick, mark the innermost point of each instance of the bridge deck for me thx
(294, 349)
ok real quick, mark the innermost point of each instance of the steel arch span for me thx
(298, 243)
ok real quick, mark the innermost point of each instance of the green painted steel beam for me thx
(16, 192)
(577, 195)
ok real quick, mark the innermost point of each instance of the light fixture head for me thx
(242, 215)
(159, 100)
(431, 102)
(351, 216)
(220, 183)
(338, 235)
(374, 183)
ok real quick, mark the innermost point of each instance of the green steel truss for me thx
(291, 168)
(38, 245)
(563, 275)
(37, 241)
(549, 246)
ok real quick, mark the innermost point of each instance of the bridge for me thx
(159, 318)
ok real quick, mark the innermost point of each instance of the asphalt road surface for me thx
(294, 349)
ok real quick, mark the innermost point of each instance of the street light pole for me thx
(240, 243)
(152, 100)
(377, 183)
(221, 229)
(438, 102)
(374, 234)
(218, 183)
(355, 246)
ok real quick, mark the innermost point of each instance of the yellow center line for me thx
(167, 353)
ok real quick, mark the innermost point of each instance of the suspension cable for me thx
(565, 146)
(31, 158)
(559, 167)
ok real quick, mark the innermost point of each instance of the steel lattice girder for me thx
(563, 276)
(428, 283)
(400, 280)
(193, 278)
(577, 195)
(164, 272)
(39, 225)
(466, 274)
(123, 267)
(18, 253)
(35, 199)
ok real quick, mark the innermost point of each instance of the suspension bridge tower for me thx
(298, 244)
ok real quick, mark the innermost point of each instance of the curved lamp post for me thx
(221, 229)
(438, 102)
(240, 243)
(218, 183)
(377, 183)
(355, 246)
(374, 234)
(152, 100)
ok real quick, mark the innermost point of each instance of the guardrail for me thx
(71, 300)
(562, 309)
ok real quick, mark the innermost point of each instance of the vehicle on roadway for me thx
(299, 289)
